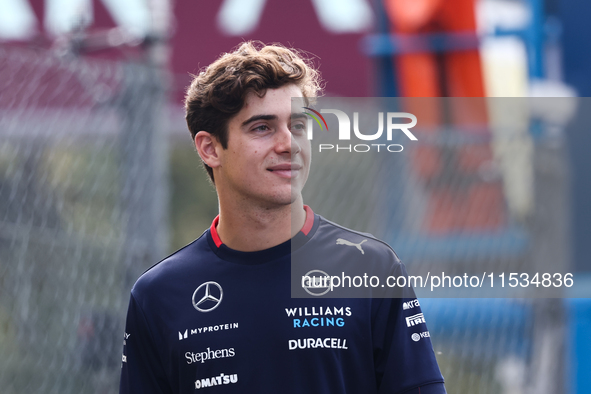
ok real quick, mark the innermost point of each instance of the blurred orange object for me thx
(411, 15)
(459, 199)
(426, 74)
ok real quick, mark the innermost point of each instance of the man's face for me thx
(268, 156)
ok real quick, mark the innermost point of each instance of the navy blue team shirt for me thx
(215, 320)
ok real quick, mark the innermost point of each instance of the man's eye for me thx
(261, 128)
(298, 127)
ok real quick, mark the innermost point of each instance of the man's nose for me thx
(286, 143)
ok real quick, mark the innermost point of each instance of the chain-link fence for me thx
(82, 199)
(83, 193)
(483, 189)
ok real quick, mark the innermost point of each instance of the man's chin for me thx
(282, 200)
(296, 195)
(288, 199)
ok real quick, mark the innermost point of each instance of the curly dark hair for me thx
(218, 92)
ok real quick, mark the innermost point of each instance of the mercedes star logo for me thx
(206, 297)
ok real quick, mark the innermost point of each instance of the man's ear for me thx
(208, 148)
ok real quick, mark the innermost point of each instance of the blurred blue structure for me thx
(533, 36)
(572, 31)
(576, 55)
(490, 317)
(386, 85)
(579, 311)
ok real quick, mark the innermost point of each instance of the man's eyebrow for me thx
(254, 118)
(298, 115)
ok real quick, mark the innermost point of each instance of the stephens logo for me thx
(209, 354)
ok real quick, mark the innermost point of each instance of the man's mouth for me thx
(285, 170)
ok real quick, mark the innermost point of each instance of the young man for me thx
(218, 314)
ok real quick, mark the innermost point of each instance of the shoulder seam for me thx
(175, 252)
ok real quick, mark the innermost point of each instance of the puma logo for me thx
(341, 241)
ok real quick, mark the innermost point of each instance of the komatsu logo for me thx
(216, 381)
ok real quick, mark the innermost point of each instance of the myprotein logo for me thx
(394, 122)
(200, 330)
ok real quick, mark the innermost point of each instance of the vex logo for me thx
(394, 122)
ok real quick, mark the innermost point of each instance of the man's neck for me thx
(253, 228)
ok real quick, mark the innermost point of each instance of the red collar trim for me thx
(308, 224)
(214, 232)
